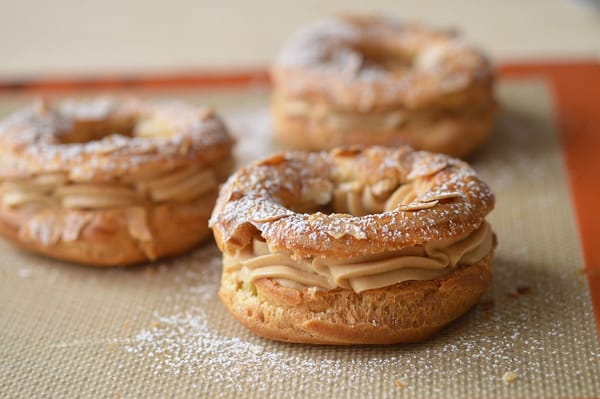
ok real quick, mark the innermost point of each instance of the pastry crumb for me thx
(524, 290)
(520, 290)
(400, 384)
(510, 377)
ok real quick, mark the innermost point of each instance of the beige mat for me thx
(159, 330)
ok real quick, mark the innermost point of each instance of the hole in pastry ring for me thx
(376, 81)
(110, 181)
(258, 200)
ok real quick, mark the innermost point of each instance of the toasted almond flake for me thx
(383, 186)
(417, 206)
(319, 191)
(74, 224)
(266, 219)
(137, 224)
(427, 167)
(44, 228)
(269, 213)
(443, 196)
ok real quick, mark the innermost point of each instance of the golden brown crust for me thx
(106, 239)
(403, 313)
(361, 66)
(72, 189)
(399, 198)
(261, 199)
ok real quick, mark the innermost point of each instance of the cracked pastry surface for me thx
(373, 80)
(110, 181)
(359, 245)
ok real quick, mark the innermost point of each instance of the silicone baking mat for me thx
(159, 330)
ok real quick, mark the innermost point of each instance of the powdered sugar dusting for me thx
(318, 45)
(530, 334)
(31, 138)
(334, 57)
(278, 182)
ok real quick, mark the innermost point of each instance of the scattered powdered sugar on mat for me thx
(504, 332)
(533, 311)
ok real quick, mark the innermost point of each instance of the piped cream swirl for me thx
(423, 262)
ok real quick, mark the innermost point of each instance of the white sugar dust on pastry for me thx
(110, 181)
(358, 245)
(373, 80)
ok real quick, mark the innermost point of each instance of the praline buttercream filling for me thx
(55, 189)
(384, 121)
(421, 262)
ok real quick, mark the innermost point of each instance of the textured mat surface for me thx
(159, 330)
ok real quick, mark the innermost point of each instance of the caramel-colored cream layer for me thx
(146, 187)
(423, 262)
(342, 121)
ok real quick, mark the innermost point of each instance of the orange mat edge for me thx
(198, 79)
(576, 91)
